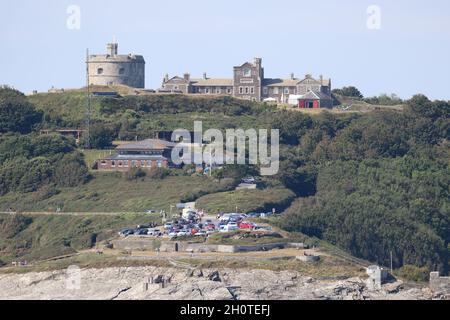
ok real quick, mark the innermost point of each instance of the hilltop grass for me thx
(247, 200)
(111, 192)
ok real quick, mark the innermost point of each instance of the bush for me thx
(135, 174)
(16, 113)
(158, 173)
(413, 273)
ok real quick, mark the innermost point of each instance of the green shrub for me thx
(413, 273)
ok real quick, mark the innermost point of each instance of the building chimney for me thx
(292, 76)
(112, 49)
(321, 79)
(308, 76)
(166, 78)
(187, 76)
(204, 76)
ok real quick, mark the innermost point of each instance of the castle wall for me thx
(113, 69)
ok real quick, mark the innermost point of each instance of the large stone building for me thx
(249, 83)
(114, 69)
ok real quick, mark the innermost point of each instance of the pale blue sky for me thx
(410, 54)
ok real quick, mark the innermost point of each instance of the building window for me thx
(207, 90)
(113, 163)
(175, 88)
(218, 91)
(265, 90)
(120, 164)
(241, 90)
(229, 91)
(142, 163)
(149, 163)
(121, 71)
(247, 72)
(286, 90)
(246, 90)
(159, 162)
(252, 90)
(125, 163)
(275, 90)
(100, 71)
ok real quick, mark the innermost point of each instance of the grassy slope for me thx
(110, 192)
(40, 237)
(247, 200)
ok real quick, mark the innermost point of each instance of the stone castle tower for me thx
(114, 69)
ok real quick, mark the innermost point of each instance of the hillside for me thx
(372, 182)
(38, 237)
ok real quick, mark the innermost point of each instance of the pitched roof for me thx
(154, 144)
(268, 82)
(313, 95)
(212, 82)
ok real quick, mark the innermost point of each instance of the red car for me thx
(211, 226)
(246, 225)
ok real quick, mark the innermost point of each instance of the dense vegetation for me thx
(379, 184)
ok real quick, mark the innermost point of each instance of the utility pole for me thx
(392, 269)
(87, 140)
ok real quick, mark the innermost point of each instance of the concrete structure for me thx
(184, 246)
(377, 276)
(439, 285)
(114, 69)
(249, 83)
(308, 258)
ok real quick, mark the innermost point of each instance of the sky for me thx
(379, 46)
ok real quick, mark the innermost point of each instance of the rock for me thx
(391, 288)
(126, 283)
(158, 279)
(198, 273)
(189, 273)
(214, 276)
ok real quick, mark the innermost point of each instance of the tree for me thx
(101, 136)
(71, 171)
(16, 113)
(350, 92)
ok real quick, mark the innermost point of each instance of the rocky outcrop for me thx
(224, 284)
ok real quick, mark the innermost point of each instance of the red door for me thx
(302, 104)
(316, 104)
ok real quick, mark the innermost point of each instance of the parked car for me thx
(210, 226)
(168, 225)
(229, 227)
(249, 180)
(200, 234)
(154, 232)
(140, 232)
(246, 225)
(150, 211)
(253, 215)
(126, 232)
(182, 233)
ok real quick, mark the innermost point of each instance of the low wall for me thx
(439, 284)
(136, 244)
(182, 246)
